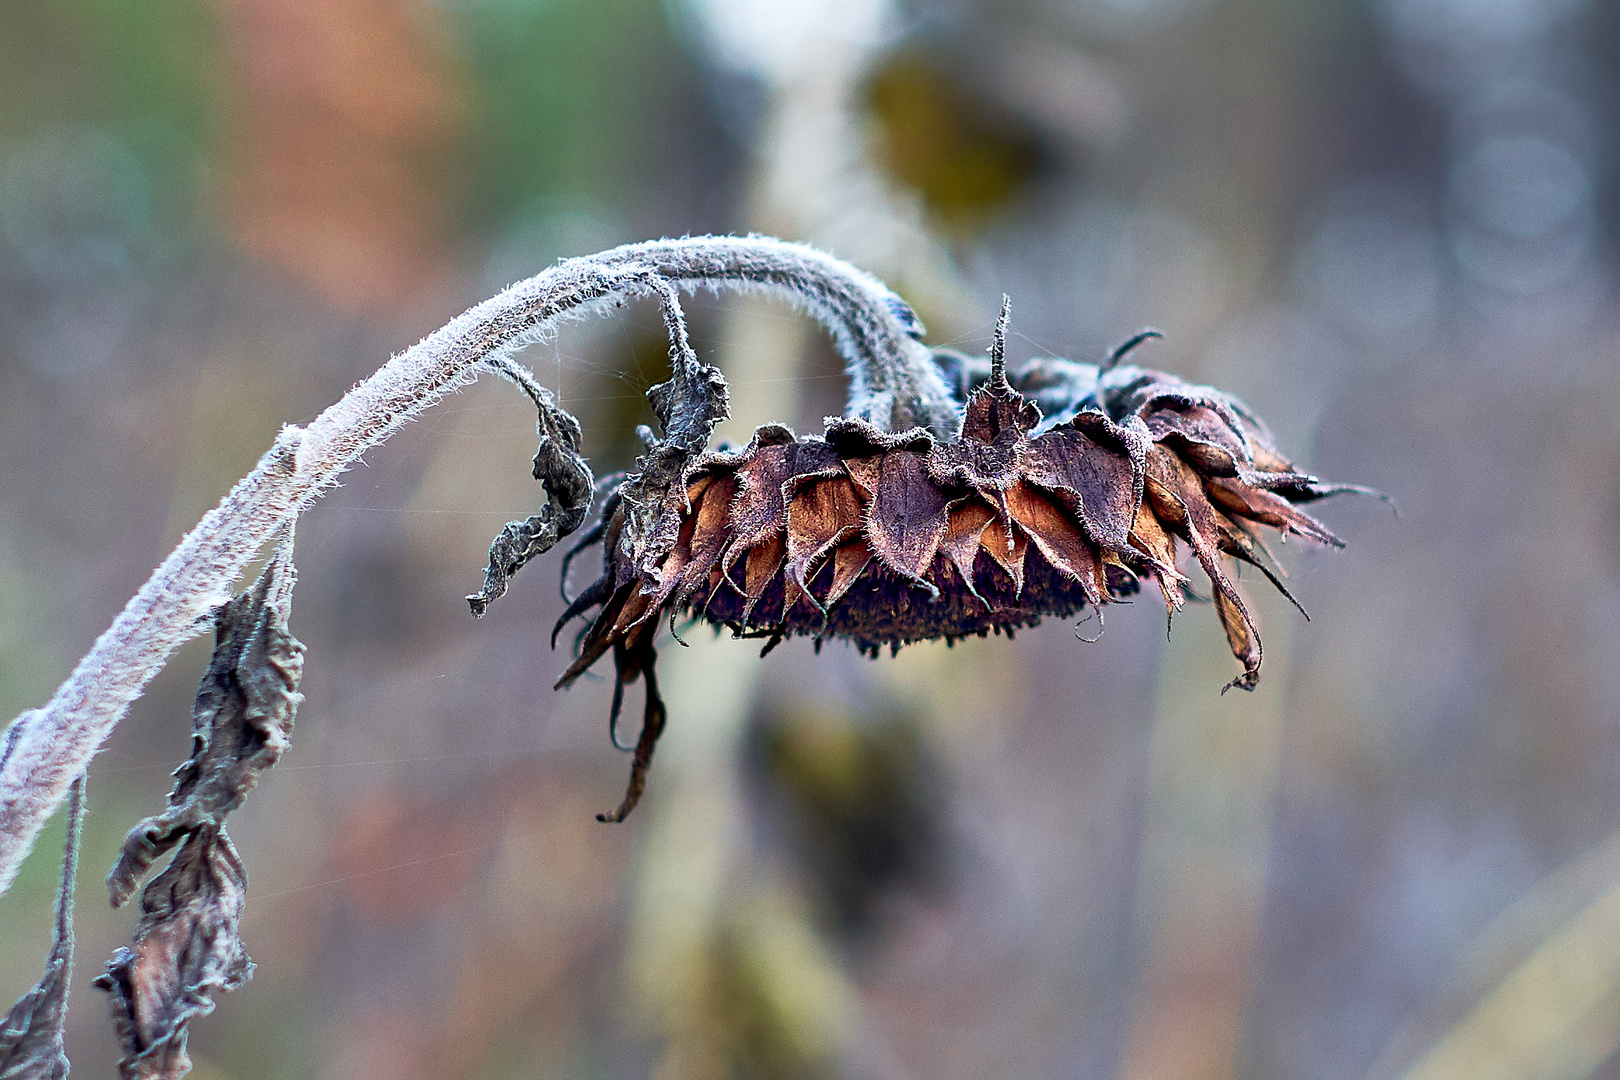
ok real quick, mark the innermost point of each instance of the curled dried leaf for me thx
(688, 407)
(562, 471)
(186, 949)
(186, 946)
(241, 721)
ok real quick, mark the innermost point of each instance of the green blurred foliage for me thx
(754, 1036)
(864, 803)
(112, 62)
(147, 74)
(560, 99)
(967, 159)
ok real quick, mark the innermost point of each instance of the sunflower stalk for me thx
(892, 384)
(953, 497)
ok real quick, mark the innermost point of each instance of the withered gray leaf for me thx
(691, 404)
(695, 398)
(241, 721)
(186, 948)
(186, 944)
(568, 483)
(31, 1033)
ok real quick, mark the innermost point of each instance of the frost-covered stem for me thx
(892, 383)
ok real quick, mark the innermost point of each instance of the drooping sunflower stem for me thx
(919, 515)
(682, 356)
(894, 385)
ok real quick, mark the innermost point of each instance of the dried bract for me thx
(688, 407)
(890, 538)
(561, 469)
(186, 945)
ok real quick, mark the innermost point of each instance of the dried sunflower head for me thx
(889, 538)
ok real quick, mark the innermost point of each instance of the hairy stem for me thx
(893, 384)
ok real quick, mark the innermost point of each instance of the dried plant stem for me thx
(31, 1033)
(892, 384)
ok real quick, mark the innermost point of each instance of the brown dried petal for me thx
(992, 417)
(186, 949)
(849, 563)
(864, 471)
(1057, 538)
(1178, 497)
(822, 513)
(1101, 485)
(812, 458)
(1202, 436)
(1239, 498)
(762, 564)
(710, 515)
(659, 586)
(1156, 390)
(696, 487)
(1150, 537)
(1240, 637)
(635, 610)
(760, 508)
(673, 570)
(1244, 542)
(906, 518)
(1006, 545)
(964, 530)
(852, 438)
(1214, 432)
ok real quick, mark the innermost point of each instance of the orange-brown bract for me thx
(887, 539)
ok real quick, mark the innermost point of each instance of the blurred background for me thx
(1389, 225)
